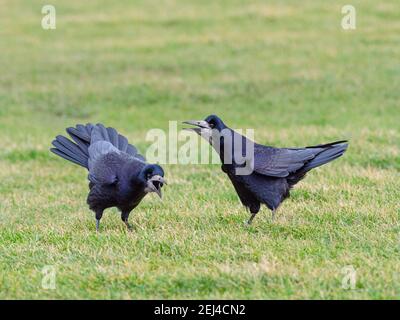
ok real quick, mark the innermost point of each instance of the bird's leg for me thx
(124, 217)
(273, 214)
(99, 214)
(251, 218)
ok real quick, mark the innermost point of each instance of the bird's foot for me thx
(248, 223)
(128, 226)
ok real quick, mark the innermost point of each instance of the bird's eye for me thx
(211, 125)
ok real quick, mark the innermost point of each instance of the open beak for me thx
(201, 125)
(155, 183)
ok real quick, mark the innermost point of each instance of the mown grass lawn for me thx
(286, 69)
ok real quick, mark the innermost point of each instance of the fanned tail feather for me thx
(111, 135)
(83, 136)
(76, 151)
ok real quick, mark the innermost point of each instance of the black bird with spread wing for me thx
(118, 175)
(274, 171)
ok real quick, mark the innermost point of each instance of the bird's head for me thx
(212, 122)
(210, 128)
(153, 177)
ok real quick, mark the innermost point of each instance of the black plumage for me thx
(118, 175)
(274, 171)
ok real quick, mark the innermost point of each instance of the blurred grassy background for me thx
(286, 69)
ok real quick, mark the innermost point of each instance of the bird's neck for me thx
(231, 147)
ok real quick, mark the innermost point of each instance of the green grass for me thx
(286, 69)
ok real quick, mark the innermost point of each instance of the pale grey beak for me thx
(202, 127)
(201, 124)
(152, 188)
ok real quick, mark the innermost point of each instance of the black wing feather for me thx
(277, 162)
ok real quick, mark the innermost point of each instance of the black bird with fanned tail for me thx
(118, 175)
(274, 171)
